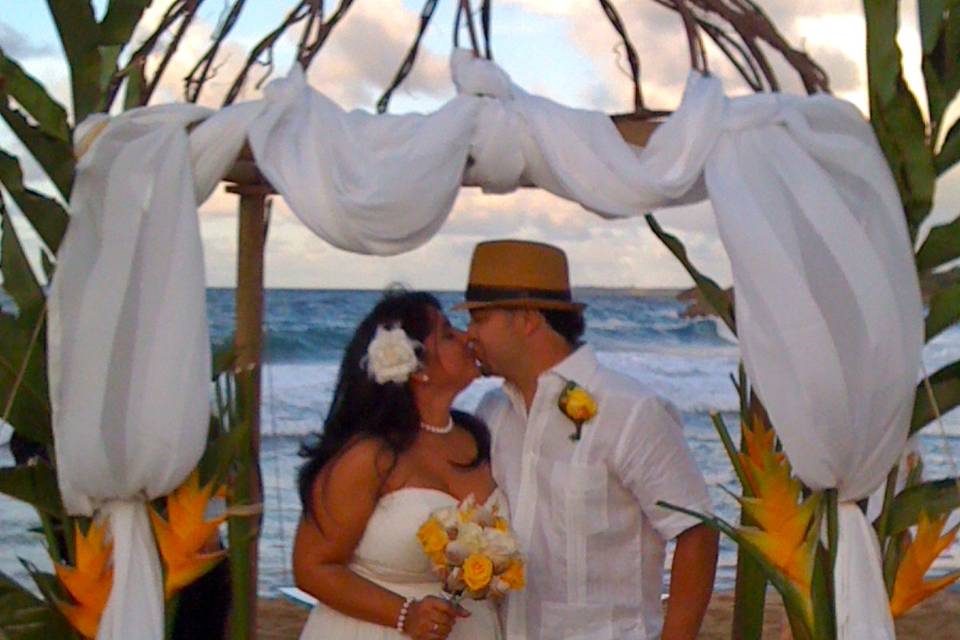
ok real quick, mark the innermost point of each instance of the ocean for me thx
(686, 360)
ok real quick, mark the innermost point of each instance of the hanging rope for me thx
(632, 58)
(407, 65)
(485, 15)
(464, 8)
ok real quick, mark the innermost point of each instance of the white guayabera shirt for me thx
(585, 512)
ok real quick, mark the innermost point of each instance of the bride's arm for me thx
(342, 500)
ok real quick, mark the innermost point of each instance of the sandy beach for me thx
(937, 618)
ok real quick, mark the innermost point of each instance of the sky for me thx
(563, 49)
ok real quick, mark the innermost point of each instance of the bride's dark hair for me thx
(361, 408)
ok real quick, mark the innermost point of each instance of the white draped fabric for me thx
(827, 300)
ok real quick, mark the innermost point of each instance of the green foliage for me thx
(49, 114)
(23, 616)
(718, 299)
(935, 497)
(46, 215)
(946, 389)
(896, 116)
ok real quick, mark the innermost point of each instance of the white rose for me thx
(500, 547)
(471, 537)
(391, 356)
(447, 517)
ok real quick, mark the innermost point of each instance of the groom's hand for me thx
(432, 618)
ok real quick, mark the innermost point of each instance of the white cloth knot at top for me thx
(752, 111)
(496, 147)
(475, 76)
(497, 159)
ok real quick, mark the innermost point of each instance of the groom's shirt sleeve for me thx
(653, 461)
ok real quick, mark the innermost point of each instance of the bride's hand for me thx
(432, 618)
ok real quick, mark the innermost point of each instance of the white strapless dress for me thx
(390, 555)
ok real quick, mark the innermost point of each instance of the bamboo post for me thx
(248, 489)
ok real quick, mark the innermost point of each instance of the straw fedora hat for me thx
(517, 273)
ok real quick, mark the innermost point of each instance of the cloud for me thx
(365, 50)
(19, 46)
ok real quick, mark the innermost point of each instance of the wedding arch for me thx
(828, 309)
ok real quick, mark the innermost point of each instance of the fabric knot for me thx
(286, 89)
(496, 148)
(752, 111)
(475, 76)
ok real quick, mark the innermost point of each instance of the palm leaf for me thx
(47, 217)
(717, 298)
(49, 114)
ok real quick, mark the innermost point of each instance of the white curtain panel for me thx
(828, 305)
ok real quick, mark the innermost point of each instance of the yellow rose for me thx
(438, 559)
(514, 576)
(578, 405)
(433, 538)
(500, 524)
(477, 571)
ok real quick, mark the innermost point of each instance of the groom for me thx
(585, 510)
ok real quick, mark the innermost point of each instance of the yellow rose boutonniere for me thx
(577, 404)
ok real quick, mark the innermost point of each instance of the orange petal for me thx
(84, 619)
(88, 590)
(185, 572)
(909, 587)
(92, 554)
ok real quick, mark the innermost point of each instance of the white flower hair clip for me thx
(391, 356)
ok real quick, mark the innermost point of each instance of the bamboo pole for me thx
(248, 489)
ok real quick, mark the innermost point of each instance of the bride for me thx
(390, 453)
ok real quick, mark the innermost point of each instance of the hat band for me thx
(486, 293)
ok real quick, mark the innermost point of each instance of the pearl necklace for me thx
(447, 428)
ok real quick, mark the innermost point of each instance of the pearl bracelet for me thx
(402, 618)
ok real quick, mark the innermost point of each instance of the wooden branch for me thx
(152, 84)
(204, 70)
(409, 59)
(632, 57)
(307, 54)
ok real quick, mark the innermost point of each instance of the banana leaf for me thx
(936, 497)
(80, 37)
(941, 245)
(45, 215)
(895, 115)
(19, 281)
(35, 484)
(949, 152)
(716, 297)
(946, 389)
(52, 592)
(23, 616)
(54, 156)
(944, 311)
(49, 114)
(29, 412)
(121, 19)
(939, 22)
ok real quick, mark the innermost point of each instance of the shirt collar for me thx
(579, 366)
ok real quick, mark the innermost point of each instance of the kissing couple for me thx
(579, 486)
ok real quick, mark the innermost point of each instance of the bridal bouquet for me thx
(473, 551)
